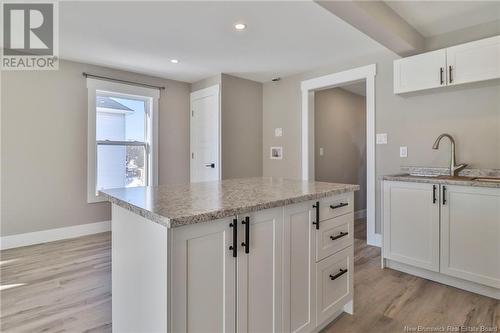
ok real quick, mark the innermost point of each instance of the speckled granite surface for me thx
(177, 205)
(440, 179)
(467, 172)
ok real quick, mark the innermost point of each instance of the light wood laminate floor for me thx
(65, 286)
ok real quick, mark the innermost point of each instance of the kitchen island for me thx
(246, 255)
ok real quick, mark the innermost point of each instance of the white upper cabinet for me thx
(475, 61)
(423, 71)
(465, 63)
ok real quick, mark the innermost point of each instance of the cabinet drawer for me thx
(334, 235)
(335, 206)
(333, 283)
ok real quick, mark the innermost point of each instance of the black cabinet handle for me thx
(339, 274)
(340, 205)
(444, 195)
(342, 234)
(450, 70)
(246, 243)
(317, 215)
(441, 71)
(234, 247)
(434, 187)
(210, 165)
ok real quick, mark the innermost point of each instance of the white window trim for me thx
(94, 85)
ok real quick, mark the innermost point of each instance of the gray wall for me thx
(471, 113)
(340, 129)
(241, 124)
(44, 145)
(241, 127)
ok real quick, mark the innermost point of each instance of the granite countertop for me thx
(441, 179)
(177, 205)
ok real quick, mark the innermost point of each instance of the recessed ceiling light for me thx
(240, 26)
(174, 61)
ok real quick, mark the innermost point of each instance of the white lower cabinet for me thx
(411, 224)
(203, 278)
(271, 282)
(448, 229)
(298, 272)
(470, 234)
(259, 277)
(334, 283)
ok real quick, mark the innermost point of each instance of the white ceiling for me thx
(432, 18)
(282, 38)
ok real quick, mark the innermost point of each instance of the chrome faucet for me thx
(454, 169)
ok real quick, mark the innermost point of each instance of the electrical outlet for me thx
(403, 151)
(381, 138)
(321, 151)
(278, 131)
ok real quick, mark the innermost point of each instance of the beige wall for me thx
(241, 127)
(340, 129)
(471, 113)
(241, 124)
(44, 145)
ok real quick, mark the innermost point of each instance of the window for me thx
(122, 145)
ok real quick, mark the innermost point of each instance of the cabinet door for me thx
(423, 71)
(411, 224)
(298, 261)
(203, 273)
(474, 61)
(259, 277)
(470, 234)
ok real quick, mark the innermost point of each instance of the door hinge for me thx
(192, 155)
(192, 113)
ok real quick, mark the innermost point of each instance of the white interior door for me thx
(205, 135)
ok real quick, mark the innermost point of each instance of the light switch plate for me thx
(278, 131)
(381, 138)
(321, 151)
(403, 151)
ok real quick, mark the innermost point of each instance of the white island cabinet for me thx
(444, 232)
(247, 264)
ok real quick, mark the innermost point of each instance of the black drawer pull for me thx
(246, 243)
(342, 234)
(317, 215)
(434, 187)
(340, 205)
(444, 195)
(233, 247)
(339, 274)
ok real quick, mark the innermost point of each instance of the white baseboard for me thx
(51, 235)
(444, 279)
(374, 240)
(360, 214)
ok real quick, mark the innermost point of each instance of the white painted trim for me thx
(209, 91)
(151, 94)
(51, 235)
(366, 73)
(360, 214)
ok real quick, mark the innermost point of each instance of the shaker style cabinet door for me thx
(203, 273)
(411, 224)
(470, 234)
(298, 263)
(259, 271)
(423, 71)
(474, 61)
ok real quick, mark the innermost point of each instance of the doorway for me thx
(205, 161)
(309, 87)
(340, 142)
